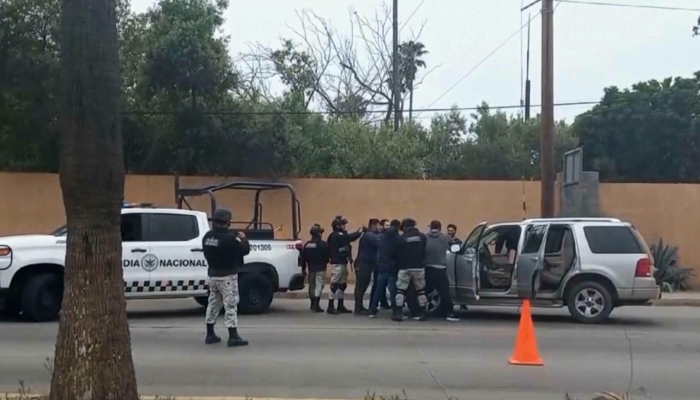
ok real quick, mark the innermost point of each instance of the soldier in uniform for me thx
(410, 256)
(224, 250)
(314, 258)
(340, 252)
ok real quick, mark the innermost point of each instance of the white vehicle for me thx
(162, 258)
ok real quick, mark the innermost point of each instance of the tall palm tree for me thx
(411, 54)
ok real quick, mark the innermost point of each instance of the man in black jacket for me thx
(410, 256)
(366, 264)
(386, 266)
(314, 257)
(340, 251)
(224, 250)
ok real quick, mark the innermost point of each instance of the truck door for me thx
(134, 248)
(530, 262)
(466, 266)
(175, 262)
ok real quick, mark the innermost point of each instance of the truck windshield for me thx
(60, 231)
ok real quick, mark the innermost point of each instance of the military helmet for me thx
(316, 230)
(222, 215)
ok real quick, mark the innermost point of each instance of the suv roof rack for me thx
(572, 219)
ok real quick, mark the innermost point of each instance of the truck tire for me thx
(255, 292)
(12, 307)
(599, 309)
(202, 301)
(42, 297)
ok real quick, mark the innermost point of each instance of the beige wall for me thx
(32, 203)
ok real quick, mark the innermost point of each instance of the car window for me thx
(471, 240)
(555, 239)
(533, 239)
(132, 228)
(612, 240)
(172, 227)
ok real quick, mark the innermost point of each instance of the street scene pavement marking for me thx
(295, 354)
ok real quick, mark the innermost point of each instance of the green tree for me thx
(93, 358)
(28, 84)
(646, 133)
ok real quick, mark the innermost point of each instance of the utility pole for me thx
(547, 138)
(396, 61)
(527, 74)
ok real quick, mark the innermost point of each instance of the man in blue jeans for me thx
(385, 262)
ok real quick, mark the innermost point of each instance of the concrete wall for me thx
(32, 203)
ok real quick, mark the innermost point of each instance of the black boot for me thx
(341, 307)
(211, 336)
(397, 317)
(234, 340)
(423, 315)
(331, 307)
(317, 305)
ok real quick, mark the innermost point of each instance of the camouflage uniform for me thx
(223, 292)
(316, 282)
(404, 279)
(339, 281)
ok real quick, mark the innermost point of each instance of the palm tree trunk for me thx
(93, 351)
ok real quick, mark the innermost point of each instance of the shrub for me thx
(669, 274)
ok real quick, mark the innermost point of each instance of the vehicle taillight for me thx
(299, 245)
(644, 267)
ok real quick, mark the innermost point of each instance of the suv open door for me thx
(466, 265)
(530, 262)
(256, 228)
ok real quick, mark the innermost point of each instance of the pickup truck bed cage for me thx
(256, 229)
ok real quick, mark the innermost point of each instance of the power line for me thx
(506, 107)
(411, 16)
(483, 61)
(646, 6)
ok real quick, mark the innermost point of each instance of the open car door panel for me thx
(530, 262)
(466, 264)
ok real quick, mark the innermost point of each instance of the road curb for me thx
(679, 302)
(35, 396)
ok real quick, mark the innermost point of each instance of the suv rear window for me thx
(612, 240)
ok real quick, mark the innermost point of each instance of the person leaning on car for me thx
(436, 247)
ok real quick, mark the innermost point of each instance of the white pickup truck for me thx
(162, 258)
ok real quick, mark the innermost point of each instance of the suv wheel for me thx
(255, 292)
(42, 297)
(590, 303)
(433, 305)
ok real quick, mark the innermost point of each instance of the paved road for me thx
(296, 354)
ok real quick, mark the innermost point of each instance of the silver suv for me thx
(590, 265)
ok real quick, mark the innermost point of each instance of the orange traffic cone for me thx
(526, 352)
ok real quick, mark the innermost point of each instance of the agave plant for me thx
(669, 274)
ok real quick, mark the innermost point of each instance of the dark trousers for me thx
(384, 280)
(363, 275)
(382, 295)
(436, 279)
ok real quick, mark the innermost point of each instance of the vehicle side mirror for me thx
(455, 248)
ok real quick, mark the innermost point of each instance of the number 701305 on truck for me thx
(161, 256)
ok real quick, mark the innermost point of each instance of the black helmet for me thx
(316, 230)
(222, 215)
(338, 221)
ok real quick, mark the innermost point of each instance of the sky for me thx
(595, 46)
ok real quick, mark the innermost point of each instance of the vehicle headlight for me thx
(5, 257)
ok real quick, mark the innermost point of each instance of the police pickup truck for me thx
(162, 258)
